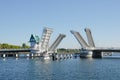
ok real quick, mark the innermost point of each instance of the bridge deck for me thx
(13, 50)
(107, 50)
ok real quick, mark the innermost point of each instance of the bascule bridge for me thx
(41, 46)
(38, 46)
(89, 49)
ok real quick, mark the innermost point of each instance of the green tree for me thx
(8, 46)
(24, 46)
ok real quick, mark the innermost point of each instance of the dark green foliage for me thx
(63, 50)
(24, 46)
(8, 46)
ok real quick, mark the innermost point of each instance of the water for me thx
(69, 69)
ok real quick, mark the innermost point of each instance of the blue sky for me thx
(21, 18)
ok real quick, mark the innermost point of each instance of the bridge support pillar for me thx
(28, 55)
(32, 55)
(46, 56)
(17, 55)
(38, 54)
(97, 54)
(4, 55)
(86, 54)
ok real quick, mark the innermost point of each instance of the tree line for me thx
(63, 50)
(9, 46)
(23, 46)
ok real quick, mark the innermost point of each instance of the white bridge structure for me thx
(38, 46)
(41, 46)
(89, 49)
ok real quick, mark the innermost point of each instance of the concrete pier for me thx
(4, 55)
(32, 55)
(86, 54)
(46, 56)
(17, 55)
(91, 54)
(97, 54)
(28, 55)
(62, 56)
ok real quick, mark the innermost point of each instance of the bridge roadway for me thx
(97, 52)
(107, 49)
(28, 50)
(13, 50)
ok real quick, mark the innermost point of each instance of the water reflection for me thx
(114, 55)
(69, 69)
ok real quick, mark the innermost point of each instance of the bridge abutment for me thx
(17, 55)
(86, 54)
(97, 54)
(4, 55)
(90, 54)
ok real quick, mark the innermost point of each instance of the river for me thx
(67, 69)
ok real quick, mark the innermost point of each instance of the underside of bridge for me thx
(97, 54)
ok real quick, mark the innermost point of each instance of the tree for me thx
(24, 46)
(8, 46)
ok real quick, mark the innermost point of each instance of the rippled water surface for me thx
(69, 69)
